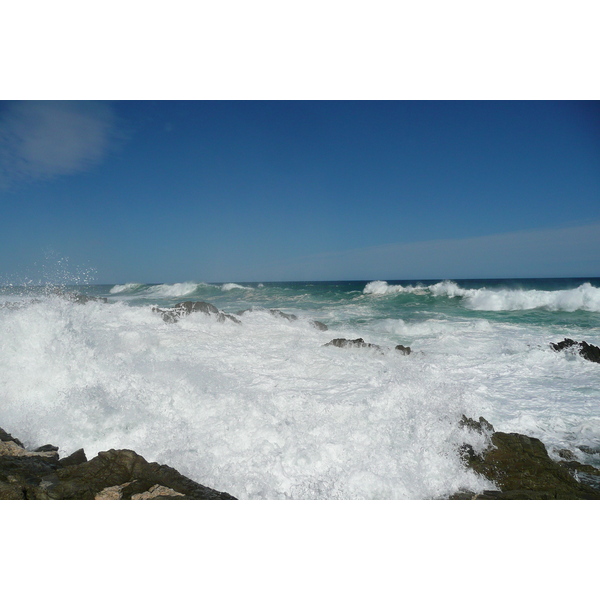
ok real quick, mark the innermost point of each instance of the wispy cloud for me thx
(42, 140)
(572, 251)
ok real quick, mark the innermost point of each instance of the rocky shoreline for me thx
(519, 465)
(113, 475)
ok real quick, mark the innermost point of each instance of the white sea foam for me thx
(584, 297)
(263, 410)
(226, 287)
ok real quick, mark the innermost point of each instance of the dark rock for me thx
(522, 469)
(480, 426)
(119, 467)
(589, 352)
(78, 457)
(584, 473)
(566, 454)
(318, 325)
(172, 315)
(404, 349)
(589, 450)
(6, 437)
(357, 343)
(47, 448)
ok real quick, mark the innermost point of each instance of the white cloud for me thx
(562, 252)
(42, 140)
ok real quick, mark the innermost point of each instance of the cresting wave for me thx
(584, 297)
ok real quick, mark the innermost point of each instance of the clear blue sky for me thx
(265, 191)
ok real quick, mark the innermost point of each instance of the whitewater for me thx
(262, 409)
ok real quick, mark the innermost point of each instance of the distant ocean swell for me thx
(584, 297)
(263, 409)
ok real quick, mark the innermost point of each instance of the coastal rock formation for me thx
(115, 474)
(182, 309)
(522, 469)
(586, 350)
(360, 343)
(357, 343)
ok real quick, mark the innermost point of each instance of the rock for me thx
(116, 474)
(521, 468)
(357, 343)
(114, 469)
(6, 437)
(404, 349)
(76, 458)
(566, 454)
(156, 491)
(47, 448)
(481, 426)
(318, 325)
(589, 352)
(172, 315)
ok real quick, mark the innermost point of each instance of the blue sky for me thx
(166, 191)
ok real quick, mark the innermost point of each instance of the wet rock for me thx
(481, 426)
(357, 343)
(318, 325)
(116, 474)
(522, 469)
(566, 454)
(182, 309)
(6, 437)
(589, 352)
(403, 349)
(115, 468)
(78, 457)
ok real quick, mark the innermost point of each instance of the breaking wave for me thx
(585, 297)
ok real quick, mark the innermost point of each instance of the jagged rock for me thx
(480, 426)
(76, 458)
(172, 315)
(589, 352)
(357, 343)
(119, 467)
(6, 437)
(318, 325)
(116, 474)
(521, 468)
(404, 349)
(566, 454)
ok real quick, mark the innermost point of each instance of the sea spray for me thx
(265, 410)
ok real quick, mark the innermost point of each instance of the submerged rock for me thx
(522, 469)
(182, 309)
(357, 343)
(588, 351)
(115, 474)
(360, 343)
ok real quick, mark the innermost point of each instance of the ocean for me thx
(263, 409)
